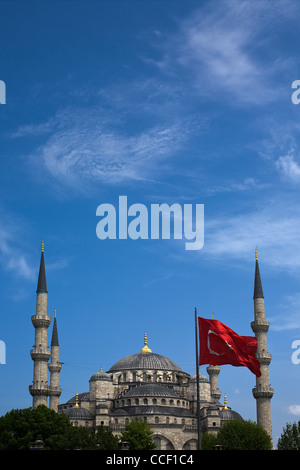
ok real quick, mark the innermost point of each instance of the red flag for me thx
(220, 345)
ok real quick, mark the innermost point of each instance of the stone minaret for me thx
(54, 367)
(262, 392)
(40, 354)
(213, 372)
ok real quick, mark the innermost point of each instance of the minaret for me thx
(213, 372)
(54, 367)
(262, 392)
(40, 354)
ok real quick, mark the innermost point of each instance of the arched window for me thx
(156, 419)
(154, 401)
(145, 401)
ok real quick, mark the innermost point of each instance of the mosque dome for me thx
(145, 359)
(202, 378)
(152, 390)
(76, 412)
(227, 414)
(101, 376)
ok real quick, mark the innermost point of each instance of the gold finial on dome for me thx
(225, 402)
(76, 401)
(101, 369)
(145, 348)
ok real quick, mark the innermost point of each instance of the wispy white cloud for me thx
(274, 229)
(221, 49)
(288, 166)
(86, 146)
(288, 317)
(11, 256)
(294, 410)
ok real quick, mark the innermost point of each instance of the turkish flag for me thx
(220, 345)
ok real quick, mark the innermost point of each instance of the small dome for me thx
(151, 390)
(85, 396)
(228, 414)
(101, 376)
(76, 412)
(202, 378)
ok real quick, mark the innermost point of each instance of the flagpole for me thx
(198, 385)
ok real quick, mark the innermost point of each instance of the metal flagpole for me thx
(198, 385)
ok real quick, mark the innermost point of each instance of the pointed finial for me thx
(54, 312)
(43, 246)
(76, 401)
(145, 348)
(225, 402)
(101, 369)
(212, 316)
(256, 253)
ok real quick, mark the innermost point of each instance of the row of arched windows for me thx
(152, 401)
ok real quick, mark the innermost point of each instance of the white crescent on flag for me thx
(208, 343)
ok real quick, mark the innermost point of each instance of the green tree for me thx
(18, 428)
(243, 435)
(139, 435)
(290, 437)
(106, 440)
(208, 440)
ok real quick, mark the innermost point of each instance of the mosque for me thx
(146, 385)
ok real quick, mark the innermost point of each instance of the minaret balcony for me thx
(41, 321)
(262, 392)
(39, 389)
(261, 326)
(264, 357)
(40, 354)
(54, 391)
(55, 367)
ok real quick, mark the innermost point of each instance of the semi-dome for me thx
(151, 390)
(144, 360)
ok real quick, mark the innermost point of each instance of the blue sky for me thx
(164, 102)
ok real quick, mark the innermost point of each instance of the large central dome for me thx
(151, 361)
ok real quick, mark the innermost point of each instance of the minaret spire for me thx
(54, 367)
(42, 284)
(40, 354)
(262, 392)
(258, 291)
